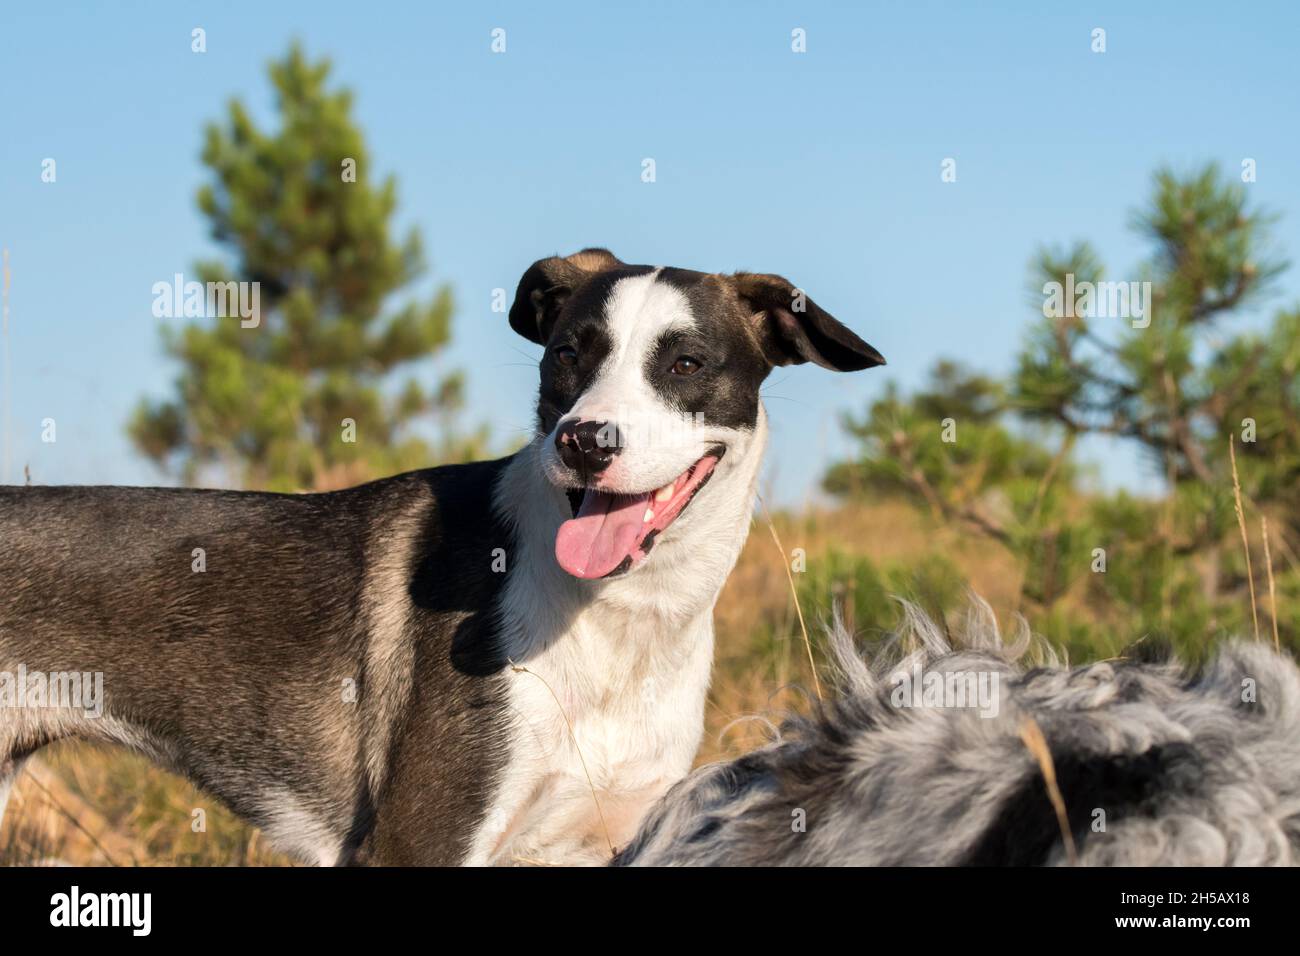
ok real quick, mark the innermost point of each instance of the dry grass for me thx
(96, 806)
(1272, 585)
(1036, 744)
(787, 562)
(1241, 524)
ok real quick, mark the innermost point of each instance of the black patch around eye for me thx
(725, 390)
(562, 384)
(722, 391)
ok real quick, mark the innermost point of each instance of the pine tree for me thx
(307, 399)
(1170, 381)
(1176, 382)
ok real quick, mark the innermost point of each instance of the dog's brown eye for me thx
(566, 355)
(685, 366)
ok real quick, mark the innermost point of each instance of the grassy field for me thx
(98, 806)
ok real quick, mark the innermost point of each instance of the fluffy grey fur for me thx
(1155, 765)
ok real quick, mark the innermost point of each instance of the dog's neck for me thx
(677, 585)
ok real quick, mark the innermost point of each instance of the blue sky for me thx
(823, 166)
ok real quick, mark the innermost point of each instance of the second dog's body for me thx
(1150, 764)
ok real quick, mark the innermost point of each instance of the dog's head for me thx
(650, 376)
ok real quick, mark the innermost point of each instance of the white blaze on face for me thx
(659, 441)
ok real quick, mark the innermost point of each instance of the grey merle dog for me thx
(437, 667)
(1152, 764)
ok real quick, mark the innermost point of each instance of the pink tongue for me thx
(602, 535)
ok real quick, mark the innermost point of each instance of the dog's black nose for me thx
(588, 447)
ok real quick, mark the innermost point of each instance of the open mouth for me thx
(609, 533)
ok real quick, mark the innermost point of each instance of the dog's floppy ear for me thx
(547, 284)
(793, 329)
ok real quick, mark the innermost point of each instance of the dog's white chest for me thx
(599, 729)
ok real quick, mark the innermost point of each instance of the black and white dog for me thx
(437, 667)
